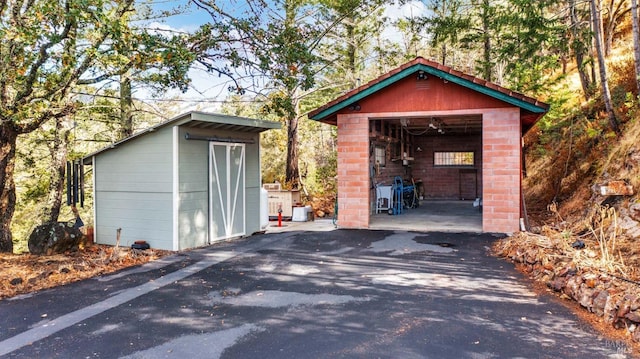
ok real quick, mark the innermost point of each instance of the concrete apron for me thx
(438, 216)
(430, 216)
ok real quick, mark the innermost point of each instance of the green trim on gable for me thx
(435, 72)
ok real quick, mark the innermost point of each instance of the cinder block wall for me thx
(444, 182)
(353, 171)
(385, 175)
(501, 166)
(499, 178)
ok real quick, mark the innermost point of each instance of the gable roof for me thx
(533, 108)
(199, 120)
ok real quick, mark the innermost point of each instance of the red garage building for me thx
(459, 137)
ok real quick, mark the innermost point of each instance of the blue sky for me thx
(209, 89)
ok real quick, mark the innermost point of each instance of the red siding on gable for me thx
(411, 70)
(433, 94)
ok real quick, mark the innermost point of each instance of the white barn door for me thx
(226, 190)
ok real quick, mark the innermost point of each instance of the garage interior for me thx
(456, 135)
(437, 162)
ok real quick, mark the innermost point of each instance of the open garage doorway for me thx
(483, 120)
(426, 173)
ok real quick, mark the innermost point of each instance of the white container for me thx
(264, 208)
(299, 214)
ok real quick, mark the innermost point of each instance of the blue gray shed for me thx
(187, 182)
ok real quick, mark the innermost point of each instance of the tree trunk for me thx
(578, 48)
(292, 173)
(8, 137)
(444, 42)
(607, 31)
(351, 52)
(486, 67)
(293, 167)
(126, 105)
(636, 41)
(584, 76)
(444, 54)
(606, 94)
(58, 152)
(616, 11)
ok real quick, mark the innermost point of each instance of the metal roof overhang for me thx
(199, 120)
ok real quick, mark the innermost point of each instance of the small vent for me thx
(423, 85)
(272, 186)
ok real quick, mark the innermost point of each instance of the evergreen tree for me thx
(529, 44)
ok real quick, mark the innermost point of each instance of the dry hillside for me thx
(583, 245)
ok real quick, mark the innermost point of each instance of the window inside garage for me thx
(454, 159)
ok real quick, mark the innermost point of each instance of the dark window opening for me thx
(453, 159)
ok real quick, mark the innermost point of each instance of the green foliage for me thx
(48, 50)
(272, 46)
(290, 54)
(353, 48)
(516, 43)
(530, 43)
(447, 26)
(319, 158)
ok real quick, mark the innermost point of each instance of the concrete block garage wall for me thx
(386, 174)
(502, 170)
(353, 171)
(445, 182)
(402, 95)
(497, 163)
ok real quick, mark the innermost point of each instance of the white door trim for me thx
(229, 198)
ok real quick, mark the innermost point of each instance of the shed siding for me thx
(253, 184)
(134, 191)
(193, 212)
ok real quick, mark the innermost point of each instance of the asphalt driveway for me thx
(302, 294)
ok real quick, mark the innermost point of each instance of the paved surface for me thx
(432, 216)
(305, 294)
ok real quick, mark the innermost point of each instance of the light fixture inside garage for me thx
(433, 124)
(437, 125)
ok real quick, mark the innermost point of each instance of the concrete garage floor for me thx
(438, 216)
(431, 216)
